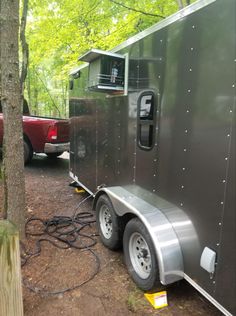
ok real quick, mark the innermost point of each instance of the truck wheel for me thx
(108, 223)
(82, 150)
(140, 256)
(28, 152)
(54, 155)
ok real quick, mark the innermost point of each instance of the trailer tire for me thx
(110, 226)
(140, 257)
(28, 152)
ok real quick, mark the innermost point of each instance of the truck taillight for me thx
(52, 133)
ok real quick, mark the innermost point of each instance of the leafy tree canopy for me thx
(59, 31)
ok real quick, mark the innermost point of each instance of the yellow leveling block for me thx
(158, 300)
(79, 190)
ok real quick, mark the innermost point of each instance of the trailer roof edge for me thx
(158, 26)
(167, 21)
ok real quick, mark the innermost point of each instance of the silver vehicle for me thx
(153, 139)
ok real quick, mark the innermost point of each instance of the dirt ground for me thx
(111, 291)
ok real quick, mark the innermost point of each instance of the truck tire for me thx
(28, 152)
(54, 155)
(140, 257)
(108, 223)
(82, 150)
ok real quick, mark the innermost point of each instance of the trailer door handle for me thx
(146, 120)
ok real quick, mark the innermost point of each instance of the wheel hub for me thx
(105, 221)
(81, 151)
(140, 255)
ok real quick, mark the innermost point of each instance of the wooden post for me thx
(11, 303)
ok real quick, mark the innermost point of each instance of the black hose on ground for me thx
(62, 232)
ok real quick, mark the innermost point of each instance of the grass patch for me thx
(136, 300)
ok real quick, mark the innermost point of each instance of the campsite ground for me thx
(111, 291)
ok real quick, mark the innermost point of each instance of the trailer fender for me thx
(165, 240)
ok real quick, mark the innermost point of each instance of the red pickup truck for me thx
(42, 135)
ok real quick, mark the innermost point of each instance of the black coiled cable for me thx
(62, 232)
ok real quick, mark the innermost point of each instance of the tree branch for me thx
(48, 92)
(139, 11)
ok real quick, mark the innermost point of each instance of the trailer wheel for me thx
(108, 223)
(28, 152)
(140, 256)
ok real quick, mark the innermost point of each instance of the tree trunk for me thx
(180, 4)
(13, 160)
(24, 47)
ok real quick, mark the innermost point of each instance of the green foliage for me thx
(59, 31)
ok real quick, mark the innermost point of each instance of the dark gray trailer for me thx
(153, 139)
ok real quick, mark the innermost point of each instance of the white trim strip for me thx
(74, 177)
(158, 26)
(167, 21)
(207, 295)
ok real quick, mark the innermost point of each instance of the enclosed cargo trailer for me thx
(153, 139)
